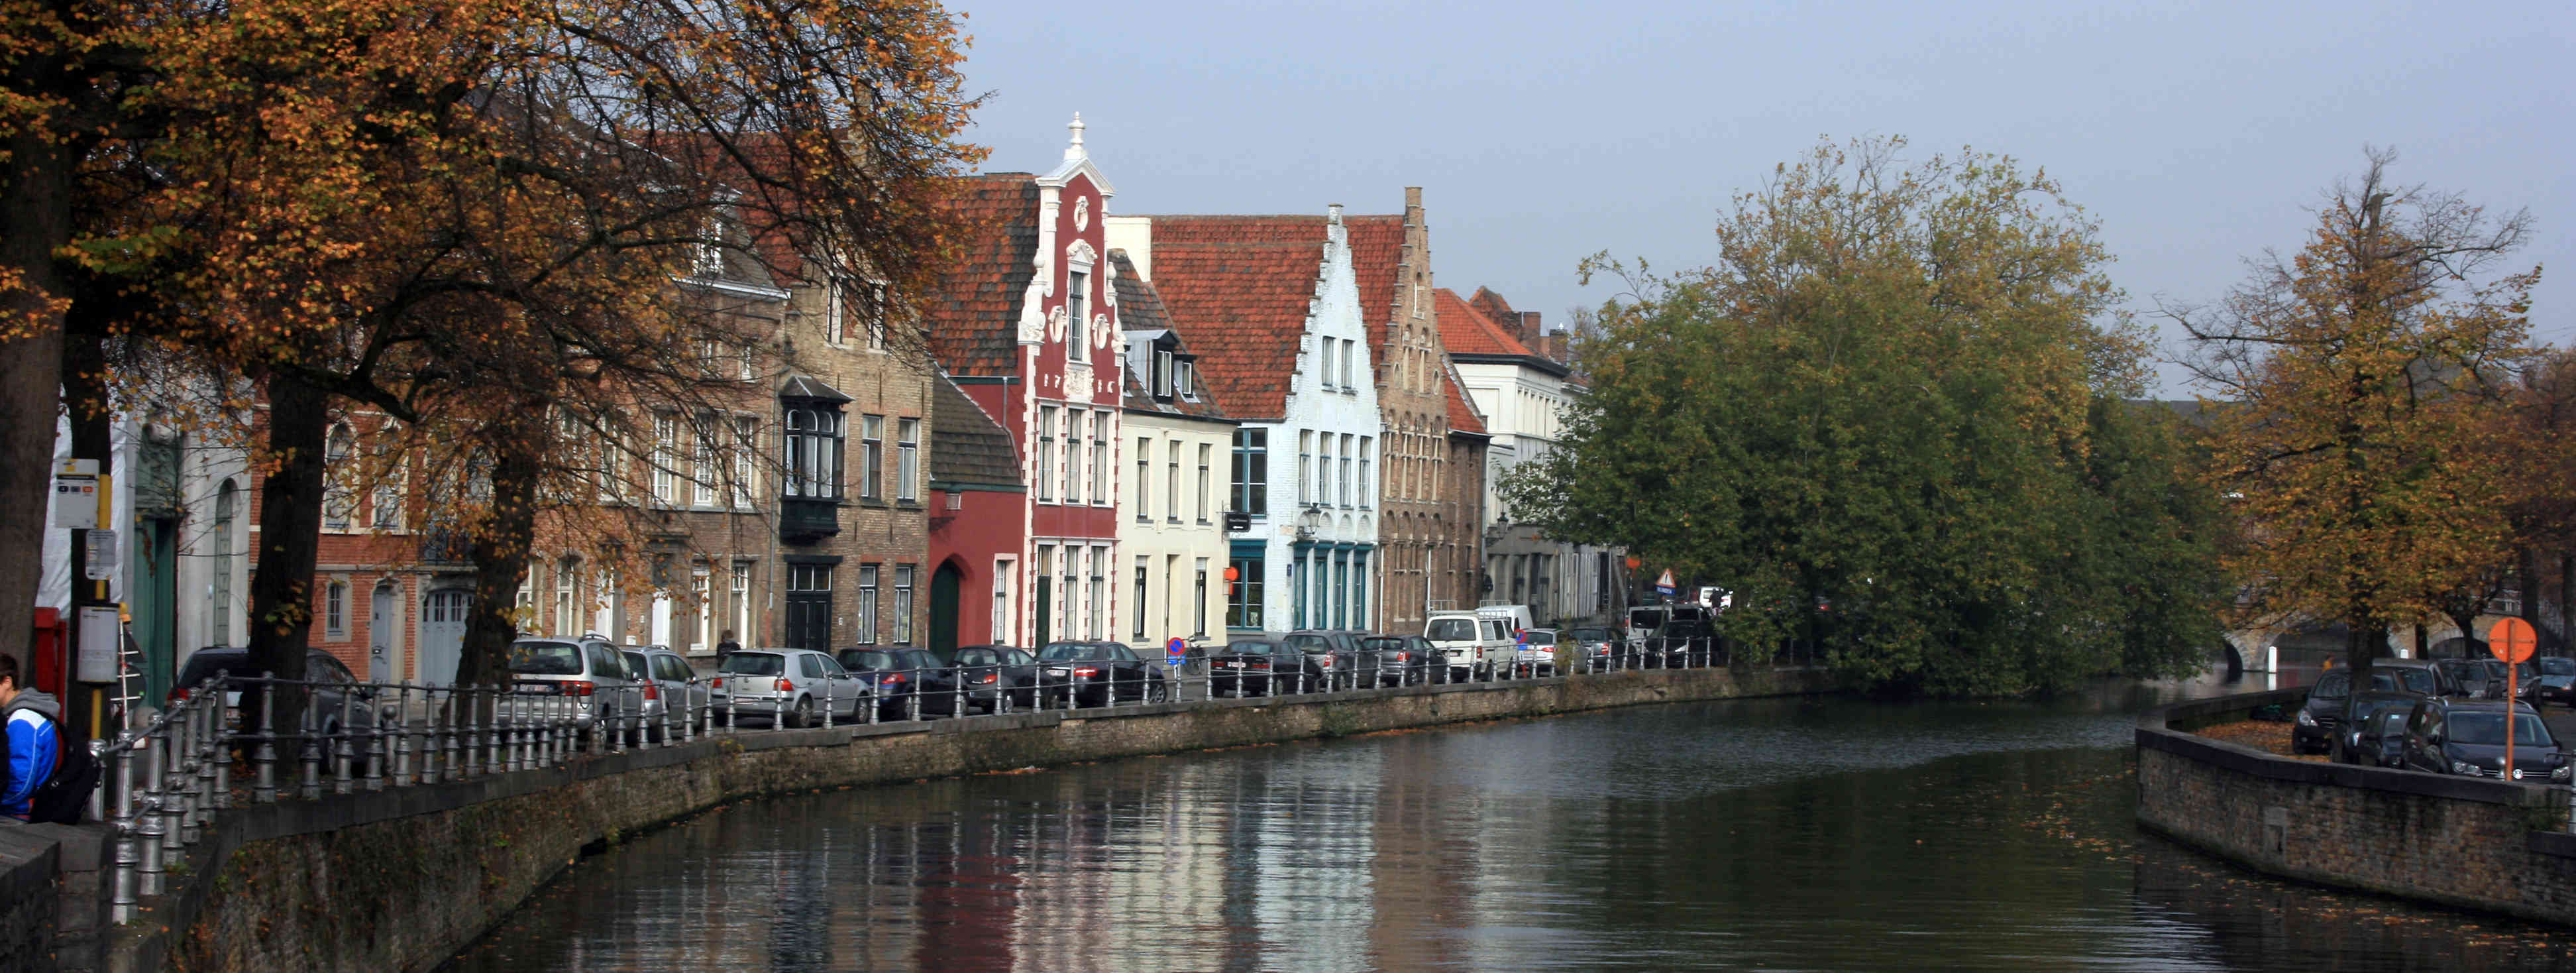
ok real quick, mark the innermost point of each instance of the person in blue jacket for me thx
(28, 719)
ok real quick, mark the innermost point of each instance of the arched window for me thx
(339, 498)
(814, 446)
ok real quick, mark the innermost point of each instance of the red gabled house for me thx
(1026, 326)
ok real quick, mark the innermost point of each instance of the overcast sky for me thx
(2198, 135)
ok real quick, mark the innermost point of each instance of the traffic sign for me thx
(1178, 650)
(2512, 640)
(1664, 583)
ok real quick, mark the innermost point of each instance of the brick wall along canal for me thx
(1781, 834)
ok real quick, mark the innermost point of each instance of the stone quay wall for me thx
(2469, 843)
(403, 878)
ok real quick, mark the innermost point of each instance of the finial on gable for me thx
(1075, 152)
(1333, 214)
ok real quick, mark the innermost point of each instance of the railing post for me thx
(451, 749)
(149, 826)
(402, 734)
(343, 759)
(829, 703)
(309, 754)
(182, 758)
(129, 856)
(264, 760)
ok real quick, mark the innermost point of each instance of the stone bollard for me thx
(264, 759)
(309, 756)
(129, 854)
(343, 758)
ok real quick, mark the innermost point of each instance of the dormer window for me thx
(1163, 375)
(1185, 379)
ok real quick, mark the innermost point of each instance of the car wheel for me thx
(1157, 692)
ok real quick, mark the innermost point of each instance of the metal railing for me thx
(212, 750)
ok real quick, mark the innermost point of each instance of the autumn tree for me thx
(2360, 381)
(1889, 417)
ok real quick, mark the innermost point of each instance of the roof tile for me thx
(1468, 331)
(966, 445)
(1239, 288)
(973, 313)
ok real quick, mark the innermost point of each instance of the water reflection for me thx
(1780, 834)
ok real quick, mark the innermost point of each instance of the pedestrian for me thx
(726, 647)
(28, 720)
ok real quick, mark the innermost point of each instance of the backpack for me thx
(64, 796)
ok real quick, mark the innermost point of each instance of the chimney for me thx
(1530, 329)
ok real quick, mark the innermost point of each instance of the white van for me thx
(1473, 645)
(1515, 618)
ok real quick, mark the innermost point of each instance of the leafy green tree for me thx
(1876, 416)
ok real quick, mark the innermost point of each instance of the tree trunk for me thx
(500, 551)
(2567, 601)
(290, 526)
(2526, 584)
(2423, 639)
(35, 206)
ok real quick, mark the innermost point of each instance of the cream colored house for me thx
(1178, 441)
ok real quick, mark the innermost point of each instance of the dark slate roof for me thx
(973, 313)
(966, 446)
(809, 387)
(1239, 288)
(1141, 308)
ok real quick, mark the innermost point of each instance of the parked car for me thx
(2313, 729)
(1534, 653)
(2468, 674)
(338, 689)
(1402, 660)
(1249, 667)
(1099, 674)
(2466, 737)
(588, 670)
(1686, 638)
(2381, 740)
(647, 696)
(2361, 712)
(792, 685)
(674, 681)
(909, 683)
(2419, 676)
(1339, 655)
(1259, 667)
(1515, 618)
(1473, 645)
(1598, 649)
(998, 678)
(1640, 625)
(2557, 680)
(2523, 679)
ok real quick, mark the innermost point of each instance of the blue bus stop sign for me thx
(1178, 650)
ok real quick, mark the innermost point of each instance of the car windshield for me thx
(2368, 707)
(1383, 644)
(1249, 648)
(2410, 679)
(1451, 630)
(2333, 685)
(204, 665)
(754, 664)
(2557, 666)
(2487, 729)
(1588, 634)
(635, 664)
(1539, 638)
(2393, 722)
(1071, 652)
(1309, 643)
(545, 658)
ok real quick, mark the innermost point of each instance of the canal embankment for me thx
(2469, 843)
(399, 879)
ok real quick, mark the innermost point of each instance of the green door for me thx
(943, 608)
(154, 601)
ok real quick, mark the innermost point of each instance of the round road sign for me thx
(2512, 640)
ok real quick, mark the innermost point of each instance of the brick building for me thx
(1419, 527)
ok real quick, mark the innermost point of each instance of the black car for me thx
(2467, 674)
(335, 689)
(2361, 715)
(910, 683)
(998, 678)
(1685, 639)
(1254, 667)
(2313, 730)
(1338, 655)
(2521, 679)
(1401, 660)
(2557, 680)
(2419, 676)
(2466, 737)
(2380, 741)
(1099, 674)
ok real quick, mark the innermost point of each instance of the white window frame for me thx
(907, 464)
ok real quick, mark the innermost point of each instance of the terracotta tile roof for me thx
(973, 313)
(1239, 287)
(1467, 331)
(966, 445)
(1141, 308)
(1463, 416)
(1377, 247)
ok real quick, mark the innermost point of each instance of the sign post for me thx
(2512, 641)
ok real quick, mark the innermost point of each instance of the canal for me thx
(1783, 834)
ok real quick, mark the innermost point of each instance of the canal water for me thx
(1789, 834)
